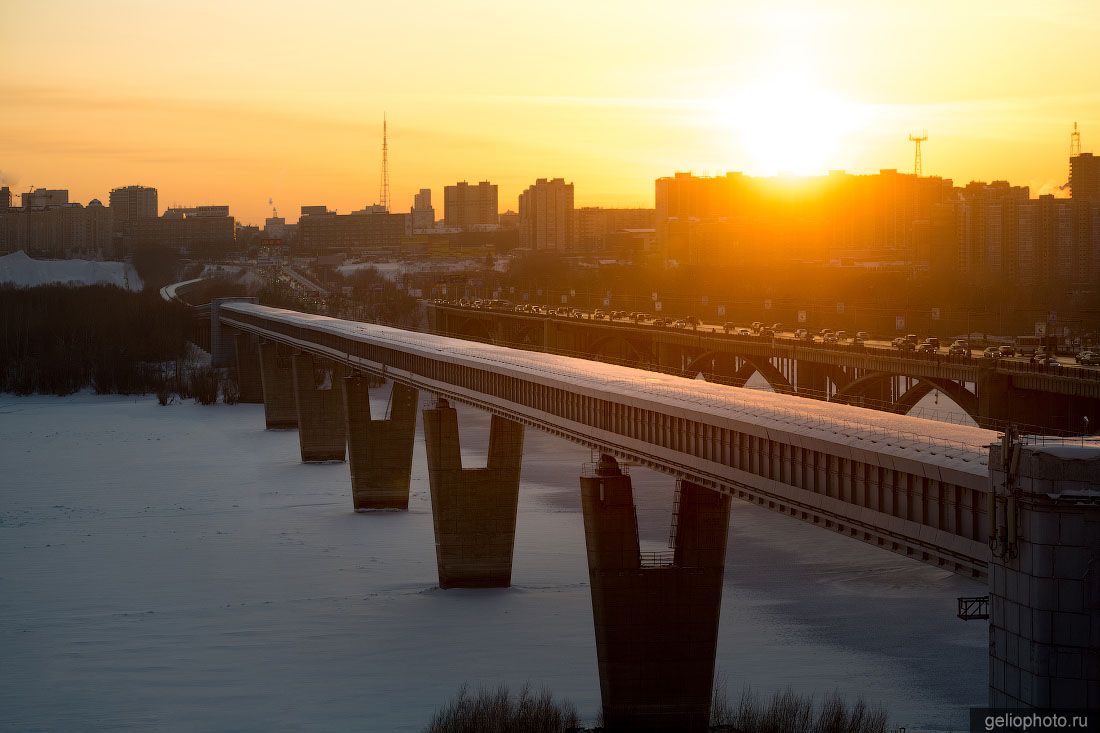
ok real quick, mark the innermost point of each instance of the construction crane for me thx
(917, 140)
(1074, 151)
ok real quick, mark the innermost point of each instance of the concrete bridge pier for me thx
(277, 381)
(249, 379)
(322, 430)
(379, 451)
(670, 358)
(656, 620)
(812, 381)
(1044, 628)
(473, 509)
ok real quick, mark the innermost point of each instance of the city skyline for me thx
(246, 119)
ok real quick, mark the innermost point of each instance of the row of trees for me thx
(57, 339)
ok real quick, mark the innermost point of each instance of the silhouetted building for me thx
(50, 229)
(275, 228)
(595, 227)
(372, 228)
(5, 198)
(44, 198)
(736, 218)
(509, 220)
(1084, 177)
(546, 218)
(469, 207)
(1036, 245)
(205, 230)
(988, 218)
(130, 205)
(422, 215)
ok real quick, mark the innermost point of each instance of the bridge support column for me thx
(813, 381)
(379, 451)
(473, 509)
(656, 624)
(277, 380)
(249, 379)
(1044, 629)
(670, 358)
(322, 430)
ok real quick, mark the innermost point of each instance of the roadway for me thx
(745, 331)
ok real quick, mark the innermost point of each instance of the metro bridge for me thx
(957, 497)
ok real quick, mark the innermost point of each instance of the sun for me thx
(786, 123)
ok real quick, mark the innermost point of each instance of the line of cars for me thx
(909, 343)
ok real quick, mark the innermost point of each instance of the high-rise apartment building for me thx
(56, 229)
(422, 215)
(131, 204)
(322, 232)
(1084, 177)
(546, 217)
(470, 208)
(596, 228)
(838, 216)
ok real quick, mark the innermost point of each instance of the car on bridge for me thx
(1088, 358)
(1007, 350)
(903, 344)
(927, 347)
(729, 326)
(991, 352)
(958, 349)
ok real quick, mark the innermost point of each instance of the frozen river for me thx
(178, 568)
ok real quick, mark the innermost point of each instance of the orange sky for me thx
(216, 104)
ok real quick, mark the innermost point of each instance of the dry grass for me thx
(498, 711)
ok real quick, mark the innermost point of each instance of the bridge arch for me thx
(617, 345)
(865, 385)
(750, 365)
(475, 329)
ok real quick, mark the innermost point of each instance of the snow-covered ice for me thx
(178, 568)
(21, 270)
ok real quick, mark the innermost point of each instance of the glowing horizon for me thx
(235, 105)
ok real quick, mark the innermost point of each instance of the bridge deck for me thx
(907, 484)
(959, 447)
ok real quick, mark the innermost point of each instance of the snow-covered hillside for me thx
(19, 269)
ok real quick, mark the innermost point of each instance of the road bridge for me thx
(994, 394)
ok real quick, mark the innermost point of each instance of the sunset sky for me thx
(236, 102)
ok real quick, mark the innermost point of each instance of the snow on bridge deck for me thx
(960, 449)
